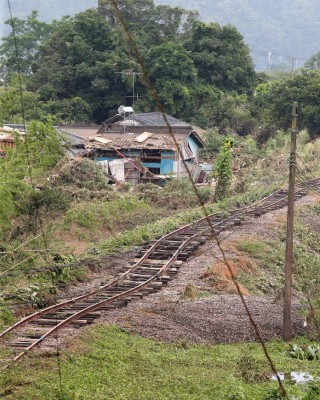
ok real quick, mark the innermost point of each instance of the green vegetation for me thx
(269, 256)
(70, 66)
(103, 225)
(99, 214)
(202, 72)
(30, 159)
(116, 365)
(306, 353)
(223, 170)
(274, 99)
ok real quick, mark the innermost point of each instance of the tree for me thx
(223, 170)
(29, 35)
(81, 60)
(150, 24)
(38, 153)
(76, 73)
(11, 107)
(273, 101)
(313, 62)
(221, 57)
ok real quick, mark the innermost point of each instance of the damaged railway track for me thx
(154, 266)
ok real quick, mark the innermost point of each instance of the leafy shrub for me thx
(101, 214)
(190, 292)
(213, 141)
(304, 353)
(252, 371)
(273, 394)
(176, 194)
(47, 198)
(313, 391)
(223, 171)
(35, 295)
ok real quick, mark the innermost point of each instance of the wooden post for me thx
(290, 222)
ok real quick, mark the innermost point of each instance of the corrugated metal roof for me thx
(129, 141)
(156, 119)
(143, 119)
(80, 131)
(6, 137)
(162, 130)
(18, 127)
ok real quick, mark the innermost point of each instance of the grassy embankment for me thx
(108, 363)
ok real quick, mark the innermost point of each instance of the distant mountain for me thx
(48, 9)
(289, 28)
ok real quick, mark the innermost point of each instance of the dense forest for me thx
(287, 28)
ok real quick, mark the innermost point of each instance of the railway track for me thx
(154, 266)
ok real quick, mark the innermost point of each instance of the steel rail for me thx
(56, 307)
(98, 305)
(122, 295)
(225, 223)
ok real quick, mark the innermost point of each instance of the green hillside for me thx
(289, 28)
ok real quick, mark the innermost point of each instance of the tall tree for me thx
(150, 24)
(273, 101)
(29, 34)
(81, 59)
(221, 57)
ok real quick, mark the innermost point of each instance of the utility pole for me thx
(290, 221)
(294, 64)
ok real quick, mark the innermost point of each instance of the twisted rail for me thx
(147, 274)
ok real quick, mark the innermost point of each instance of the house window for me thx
(155, 171)
(151, 156)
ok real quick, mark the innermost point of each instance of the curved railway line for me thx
(155, 265)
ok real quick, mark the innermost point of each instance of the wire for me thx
(305, 183)
(306, 167)
(205, 212)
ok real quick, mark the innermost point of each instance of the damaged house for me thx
(139, 147)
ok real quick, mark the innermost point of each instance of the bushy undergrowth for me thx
(176, 194)
(148, 232)
(267, 166)
(98, 214)
(28, 162)
(270, 255)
